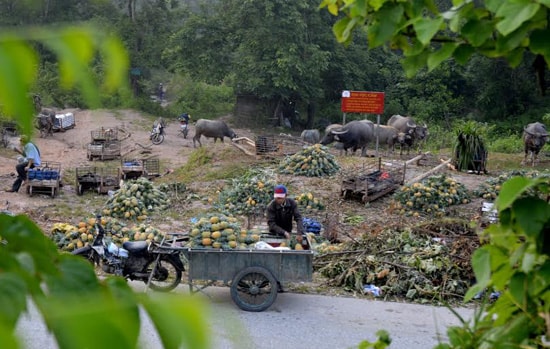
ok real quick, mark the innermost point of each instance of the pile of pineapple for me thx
(135, 200)
(431, 196)
(69, 237)
(308, 201)
(219, 231)
(490, 189)
(313, 161)
(248, 194)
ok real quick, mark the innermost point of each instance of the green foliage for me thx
(505, 144)
(71, 299)
(75, 48)
(516, 262)
(76, 301)
(469, 144)
(248, 194)
(428, 36)
(199, 99)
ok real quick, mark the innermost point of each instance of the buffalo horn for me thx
(410, 125)
(339, 132)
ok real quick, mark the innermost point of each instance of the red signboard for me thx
(363, 102)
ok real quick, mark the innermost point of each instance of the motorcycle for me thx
(157, 134)
(160, 268)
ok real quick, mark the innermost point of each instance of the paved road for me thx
(295, 321)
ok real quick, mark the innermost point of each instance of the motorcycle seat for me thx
(135, 246)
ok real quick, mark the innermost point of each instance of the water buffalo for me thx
(407, 125)
(534, 138)
(45, 122)
(389, 136)
(310, 136)
(353, 135)
(213, 129)
(405, 140)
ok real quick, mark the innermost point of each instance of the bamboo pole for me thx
(426, 174)
(416, 158)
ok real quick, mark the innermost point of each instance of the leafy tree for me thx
(427, 36)
(79, 309)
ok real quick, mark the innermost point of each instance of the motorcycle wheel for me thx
(166, 277)
(157, 139)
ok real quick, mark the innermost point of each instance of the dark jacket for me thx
(279, 217)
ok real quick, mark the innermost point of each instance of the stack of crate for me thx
(105, 144)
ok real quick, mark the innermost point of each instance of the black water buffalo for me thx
(212, 129)
(534, 138)
(353, 135)
(407, 125)
(311, 136)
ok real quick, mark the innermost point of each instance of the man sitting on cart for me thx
(280, 213)
(31, 159)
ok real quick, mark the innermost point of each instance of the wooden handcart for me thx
(107, 150)
(133, 168)
(373, 181)
(100, 179)
(44, 179)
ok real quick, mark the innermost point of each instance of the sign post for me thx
(363, 102)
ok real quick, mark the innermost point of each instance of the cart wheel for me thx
(30, 191)
(79, 190)
(254, 289)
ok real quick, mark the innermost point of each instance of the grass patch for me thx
(213, 163)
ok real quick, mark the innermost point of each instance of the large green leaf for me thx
(463, 53)
(412, 64)
(426, 28)
(511, 190)
(18, 67)
(518, 289)
(477, 31)
(531, 215)
(13, 299)
(341, 30)
(8, 339)
(180, 320)
(384, 25)
(98, 318)
(481, 264)
(514, 14)
(440, 55)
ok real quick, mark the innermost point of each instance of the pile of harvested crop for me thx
(426, 263)
(431, 196)
(135, 200)
(69, 237)
(490, 189)
(313, 161)
(248, 194)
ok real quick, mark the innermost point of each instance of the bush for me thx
(506, 144)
